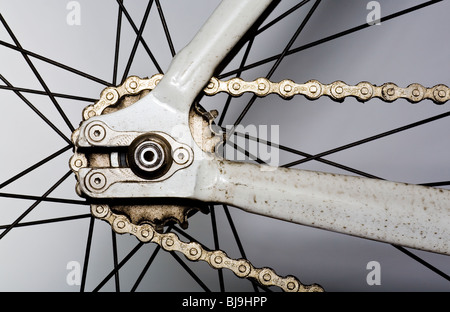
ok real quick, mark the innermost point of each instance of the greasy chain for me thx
(312, 89)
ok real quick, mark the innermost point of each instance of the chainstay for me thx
(195, 252)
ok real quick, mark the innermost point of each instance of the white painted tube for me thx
(193, 67)
(407, 215)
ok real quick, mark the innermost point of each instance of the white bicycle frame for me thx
(407, 215)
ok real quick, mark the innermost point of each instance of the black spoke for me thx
(190, 272)
(146, 267)
(87, 253)
(117, 47)
(280, 58)
(298, 152)
(246, 153)
(369, 139)
(54, 63)
(238, 74)
(281, 17)
(144, 44)
(189, 237)
(36, 165)
(166, 28)
(38, 76)
(330, 38)
(42, 116)
(148, 264)
(37, 202)
(117, 268)
(45, 199)
(47, 221)
(61, 95)
(434, 184)
(115, 261)
(423, 262)
(216, 245)
(238, 240)
(136, 42)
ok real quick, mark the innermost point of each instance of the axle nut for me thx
(150, 156)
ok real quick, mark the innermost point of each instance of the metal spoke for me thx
(117, 268)
(144, 44)
(423, 262)
(61, 95)
(36, 165)
(114, 245)
(369, 139)
(136, 42)
(38, 76)
(149, 263)
(87, 253)
(330, 38)
(190, 272)
(45, 199)
(280, 58)
(166, 28)
(238, 74)
(37, 202)
(117, 46)
(146, 267)
(54, 63)
(281, 17)
(47, 221)
(303, 154)
(238, 240)
(42, 116)
(216, 245)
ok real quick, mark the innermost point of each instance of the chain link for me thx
(337, 90)
(312, 89)
(195, 252)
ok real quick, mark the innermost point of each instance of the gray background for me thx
(411, 48)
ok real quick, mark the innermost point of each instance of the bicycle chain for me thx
(312, 89)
